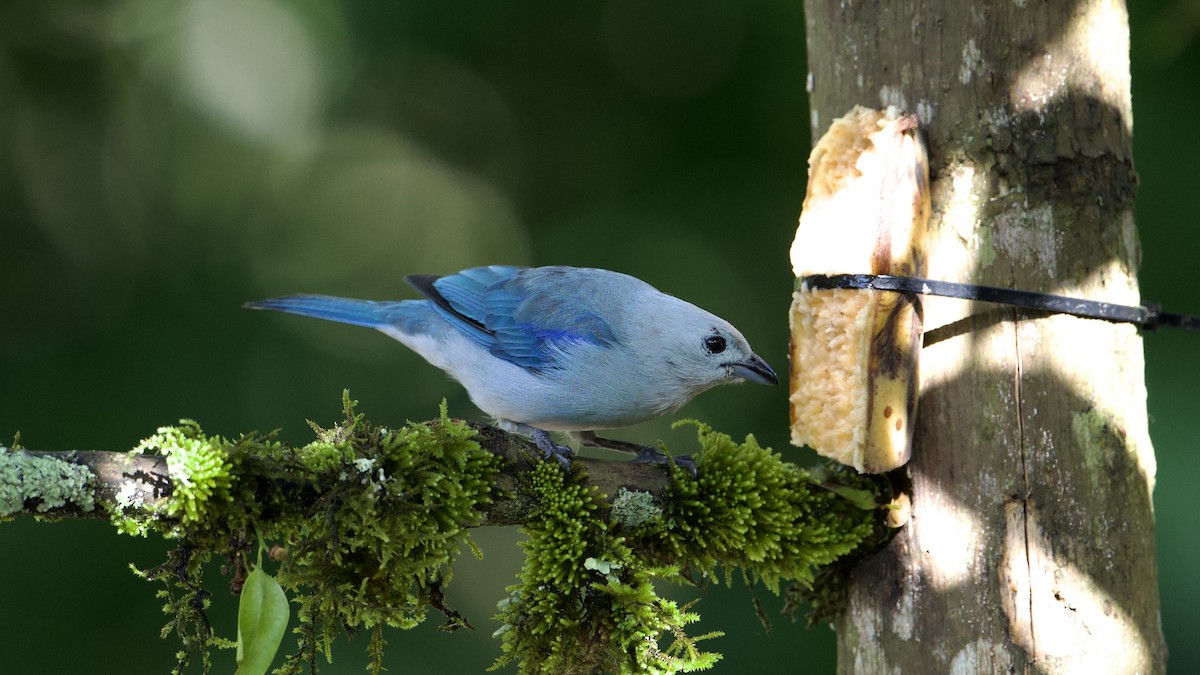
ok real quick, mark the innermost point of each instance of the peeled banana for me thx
(855, 353)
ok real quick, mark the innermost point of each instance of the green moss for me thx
(987, 248)
(389, 529)
(747, 509)
(585, 602)
(47, 482)
(1093, 434)
(368, 519)
(199, 467)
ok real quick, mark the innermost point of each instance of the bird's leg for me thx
(549, 448)
(642, 454)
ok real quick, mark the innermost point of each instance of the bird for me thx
(557, 348)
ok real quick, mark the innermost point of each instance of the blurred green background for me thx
(162, 161)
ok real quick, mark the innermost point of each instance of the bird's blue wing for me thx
(528, 317)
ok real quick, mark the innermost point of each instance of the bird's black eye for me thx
(714, 344)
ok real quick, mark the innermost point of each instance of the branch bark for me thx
(1031, 544)
(121, 478)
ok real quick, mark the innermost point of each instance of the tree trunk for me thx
(1031, 542)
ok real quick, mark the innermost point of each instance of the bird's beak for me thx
(754, 369)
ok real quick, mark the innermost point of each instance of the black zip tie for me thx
(1147, 316)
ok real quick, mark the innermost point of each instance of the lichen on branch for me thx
(47, 483)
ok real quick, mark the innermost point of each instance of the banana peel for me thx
(855, 353)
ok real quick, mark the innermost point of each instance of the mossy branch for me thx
(95, 483)
(368, 521)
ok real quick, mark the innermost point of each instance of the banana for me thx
(855, 353)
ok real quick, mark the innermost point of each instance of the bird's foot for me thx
(642, 454)
(648, 455)
(549, 448)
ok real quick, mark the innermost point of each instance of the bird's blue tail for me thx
(343, 310)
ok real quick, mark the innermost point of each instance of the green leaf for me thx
(863, 499)
(262, 620)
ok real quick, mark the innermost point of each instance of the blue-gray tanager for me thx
(557, 348)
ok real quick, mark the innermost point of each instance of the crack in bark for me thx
(1024, 498)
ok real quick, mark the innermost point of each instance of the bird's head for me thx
(709, 351)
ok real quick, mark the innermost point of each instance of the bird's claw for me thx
(561, 453)
(549, 448)
(648, 455)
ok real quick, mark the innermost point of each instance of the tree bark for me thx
(1031, 542)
